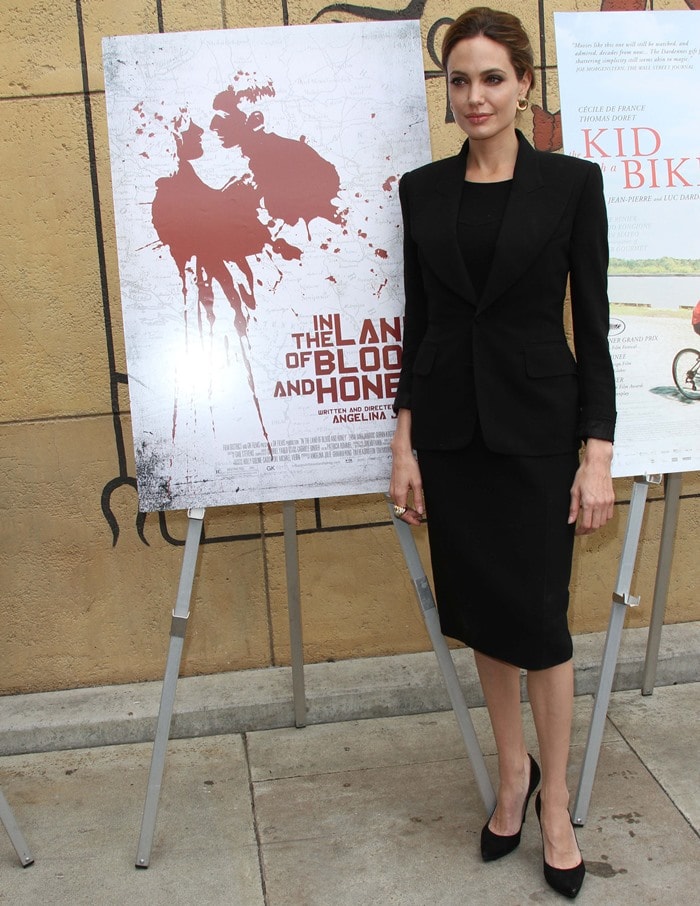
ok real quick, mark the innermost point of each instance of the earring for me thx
(522, 104)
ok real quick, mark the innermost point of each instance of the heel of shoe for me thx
(495, 846)
(535, 777)
(566, 881)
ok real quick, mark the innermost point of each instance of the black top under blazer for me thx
(504, 358)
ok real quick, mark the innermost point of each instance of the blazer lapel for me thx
(441, 212)
(533, 211)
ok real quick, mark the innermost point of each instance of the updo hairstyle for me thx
(503, 28)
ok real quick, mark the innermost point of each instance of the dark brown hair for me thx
(503, 28)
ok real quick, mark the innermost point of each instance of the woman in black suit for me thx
(496, 407)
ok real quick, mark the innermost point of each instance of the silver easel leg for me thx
(621, 600)
(445, 662)
(663, 575)
(291, 554)
(7, 819)
(172, 669)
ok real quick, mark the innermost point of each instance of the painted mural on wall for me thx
(545, 126)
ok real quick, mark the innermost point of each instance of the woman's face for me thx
(191, 142)
(483, 87)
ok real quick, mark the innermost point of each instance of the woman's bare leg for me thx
(501, 685)
(551, 694)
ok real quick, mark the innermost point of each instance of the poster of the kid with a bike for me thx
(627, 81)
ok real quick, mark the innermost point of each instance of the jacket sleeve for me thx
(415, 314)
(590, 310)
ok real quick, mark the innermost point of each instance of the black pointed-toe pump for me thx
(495, 846)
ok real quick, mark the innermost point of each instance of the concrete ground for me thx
(375, 811)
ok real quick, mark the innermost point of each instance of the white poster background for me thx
(291, 397)
(628, 82)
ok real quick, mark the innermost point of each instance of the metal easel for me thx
(8, 821)
(621, 600)
(178, 627)
(672, 487)
(445, 662)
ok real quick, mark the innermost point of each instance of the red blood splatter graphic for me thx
(214, 228)
(215, 236)
(209, 227)
(294, 182)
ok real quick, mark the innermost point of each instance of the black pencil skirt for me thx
(501, 550)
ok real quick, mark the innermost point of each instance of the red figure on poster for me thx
(207, 230)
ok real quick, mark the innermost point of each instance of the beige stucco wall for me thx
(74, 608)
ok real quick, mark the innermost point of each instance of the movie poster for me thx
(628, 83)
(255, 178)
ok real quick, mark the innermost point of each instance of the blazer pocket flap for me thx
(425, 357)
(549, 360)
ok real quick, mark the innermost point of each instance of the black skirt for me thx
(501, 550)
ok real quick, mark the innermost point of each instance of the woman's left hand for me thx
(592, 495)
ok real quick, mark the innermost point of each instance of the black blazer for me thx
(504, 357)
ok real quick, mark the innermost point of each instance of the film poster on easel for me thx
(255, 178)
(626, 82)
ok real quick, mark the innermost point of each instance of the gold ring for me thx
(399, 510)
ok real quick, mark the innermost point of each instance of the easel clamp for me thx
(627, 600)
(425, 596)
(178, 625)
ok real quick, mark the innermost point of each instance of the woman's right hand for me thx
(405, 474)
